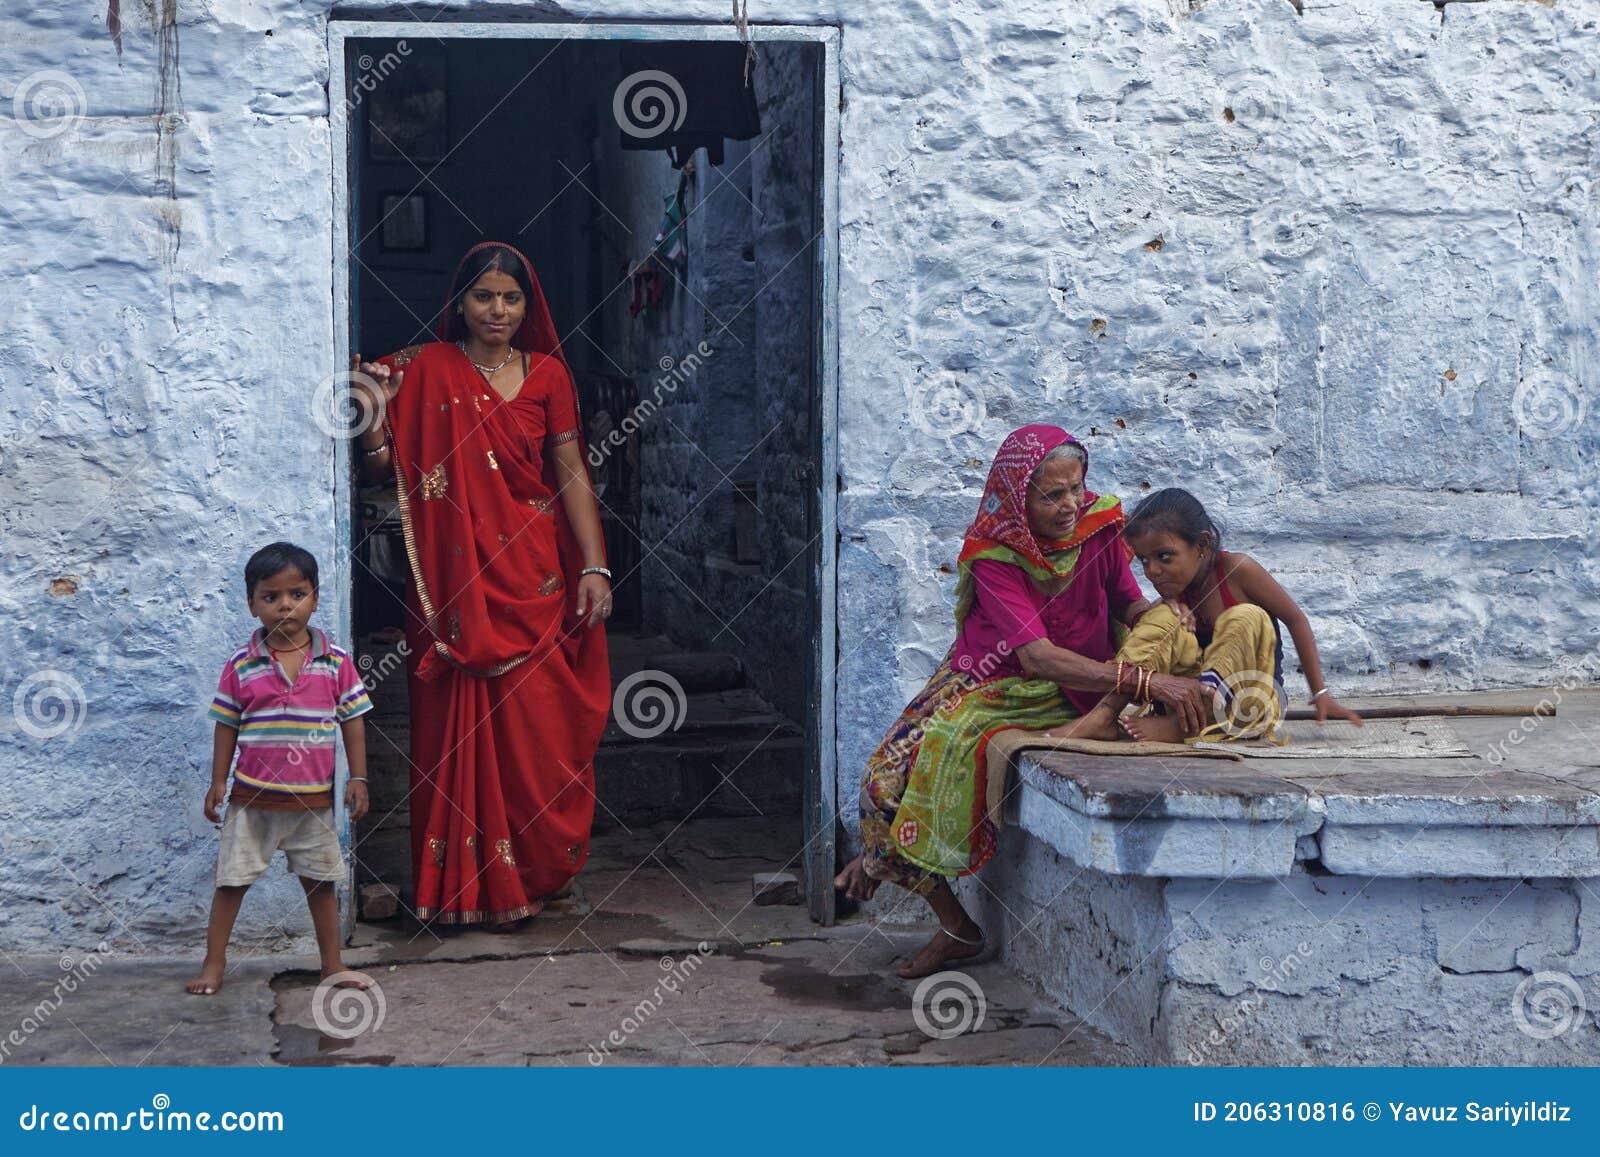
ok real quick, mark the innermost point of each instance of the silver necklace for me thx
(486, 371)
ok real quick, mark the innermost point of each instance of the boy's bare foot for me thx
(1100, 723)
(943, 949)
(344, 978)
(854, 881)
(1156, 728)
(209, 982)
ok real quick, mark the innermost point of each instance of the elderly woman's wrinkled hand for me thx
(1187, 699)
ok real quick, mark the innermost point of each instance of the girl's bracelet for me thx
(357, 779)
(600, 570)
(1317, 695)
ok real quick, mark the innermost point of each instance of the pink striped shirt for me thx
(287, 730)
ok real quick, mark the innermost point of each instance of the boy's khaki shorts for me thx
(251, 835)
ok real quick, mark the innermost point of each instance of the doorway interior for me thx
(691, 288)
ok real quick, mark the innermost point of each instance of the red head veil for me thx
(536, 334)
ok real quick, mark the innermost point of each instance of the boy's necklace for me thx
(305, 646)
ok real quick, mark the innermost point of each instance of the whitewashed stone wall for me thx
(1315, 266)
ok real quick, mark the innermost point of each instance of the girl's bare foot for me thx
(1156, 728)
(854, 881)
(1100, 723)
(943, 949)
(209, 982)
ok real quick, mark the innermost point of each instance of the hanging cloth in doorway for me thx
(702, 92)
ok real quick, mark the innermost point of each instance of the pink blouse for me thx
(1008, 609)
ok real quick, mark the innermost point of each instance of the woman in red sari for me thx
(507, 666)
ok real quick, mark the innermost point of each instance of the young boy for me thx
(279, 700)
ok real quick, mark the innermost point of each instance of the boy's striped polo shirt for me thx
(287, 732)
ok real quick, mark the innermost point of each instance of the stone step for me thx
(694, 671)
(645, 782)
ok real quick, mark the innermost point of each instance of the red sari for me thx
(509, 691)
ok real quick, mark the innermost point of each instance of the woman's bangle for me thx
(376, 450)
(595, 570)
(356, 779)
(1317, 695)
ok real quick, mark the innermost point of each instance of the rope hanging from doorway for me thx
(741, 25)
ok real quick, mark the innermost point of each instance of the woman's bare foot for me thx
(854, 881)
(1100, 723)
(943, 949)
(209, 982)
(509, 927)
(1156, 728)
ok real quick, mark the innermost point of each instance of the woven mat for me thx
(1423, 737)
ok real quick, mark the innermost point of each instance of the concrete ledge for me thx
(1527, 808)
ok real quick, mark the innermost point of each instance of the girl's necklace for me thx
(487, 371)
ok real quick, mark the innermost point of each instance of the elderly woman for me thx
(1044, 581)
(507, 662)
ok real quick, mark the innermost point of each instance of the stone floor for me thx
(617, 975)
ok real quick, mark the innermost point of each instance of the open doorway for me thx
(690, 288)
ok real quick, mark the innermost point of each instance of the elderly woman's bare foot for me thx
(854, 881)
(1156, 728)
(943, 949)
(1100, 723)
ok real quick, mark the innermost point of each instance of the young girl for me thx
(1220, 624)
